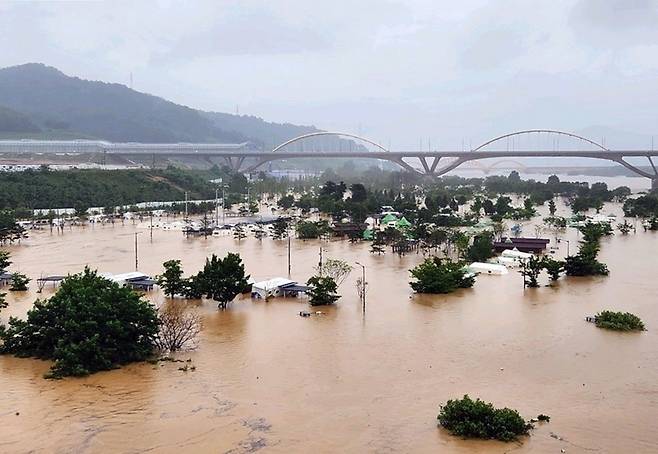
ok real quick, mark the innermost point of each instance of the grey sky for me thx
(393, 70)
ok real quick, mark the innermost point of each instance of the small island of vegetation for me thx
(470, 418)
(619, 321)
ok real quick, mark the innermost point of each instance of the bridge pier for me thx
(654, 184)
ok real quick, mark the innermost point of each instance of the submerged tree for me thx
(179, 326)
(378, 243)
(336, 269)
(19, 282)
(3, 300)
(477, 419)
(10, 230)
(322, 291)
(482, 248)
(4, 261)
(553, 267)
(171, 280)
(239, 233)
(625, 227)
(280, 229)
(221, 279)
(90, 324)
(436, 275)
(585, 263)
(530, 271)
(619, 321)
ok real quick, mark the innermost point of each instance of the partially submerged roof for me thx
(126, 277)
(273, 283)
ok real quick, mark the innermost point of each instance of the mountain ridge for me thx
(56, 105)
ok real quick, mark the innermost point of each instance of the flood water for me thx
(268, 380)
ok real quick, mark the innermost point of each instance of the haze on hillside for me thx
(405, 73)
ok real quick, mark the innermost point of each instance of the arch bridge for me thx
(438, 163)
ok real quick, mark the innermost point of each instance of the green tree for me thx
(619, 321)
(4, 261)
(359, 193)
(280, 229)
(477, 419)
(309, 230)
(460, 241)
(322, 291)
(90, 324)
(436, 275)
(222, 279)
(530, 271)
(10, 230)
(378, 243)
(585, 263)
(19, 282)
(286, 202)
(482, 248)
(171, 280)
(553, 267)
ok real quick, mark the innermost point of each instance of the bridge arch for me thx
(540, 131)
(329, 133)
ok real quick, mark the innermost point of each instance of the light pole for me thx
(136, 260)
(363, 286)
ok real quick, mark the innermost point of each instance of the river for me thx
(268, 380)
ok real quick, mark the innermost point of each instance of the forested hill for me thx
(39, 101)
(44, 189)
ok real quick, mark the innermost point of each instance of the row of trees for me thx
(220, 279)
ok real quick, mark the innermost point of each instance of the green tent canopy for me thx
(403, 223)
(389, 218)
(368, 234)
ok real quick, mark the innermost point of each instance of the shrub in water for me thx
(619, 321)
(477, 419)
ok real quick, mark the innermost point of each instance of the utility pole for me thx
(136, 260)
(320, 263)
(289, 267)
(223, 206)
(363, 287)
(217, 207)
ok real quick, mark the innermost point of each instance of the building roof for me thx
(273, 283)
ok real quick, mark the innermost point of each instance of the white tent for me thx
(487, 268)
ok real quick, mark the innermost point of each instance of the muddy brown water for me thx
(268, 380)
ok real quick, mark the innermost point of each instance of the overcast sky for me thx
(395, 71)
